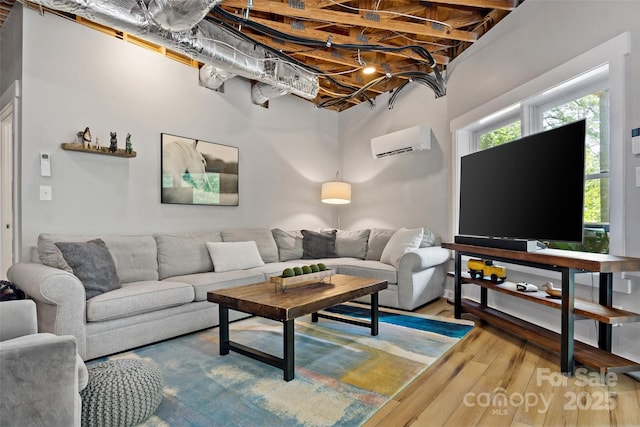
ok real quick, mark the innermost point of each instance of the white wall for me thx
(409, 190)
(75, 77)
(11, 48)
(536, 38)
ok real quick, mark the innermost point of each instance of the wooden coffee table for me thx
(262, 300)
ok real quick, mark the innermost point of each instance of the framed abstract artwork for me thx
(198, 172)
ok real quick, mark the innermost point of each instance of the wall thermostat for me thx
(45, 164)
(635, 141)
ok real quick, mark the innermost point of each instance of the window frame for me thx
(495, 125)
(530, 114)
(614, 53)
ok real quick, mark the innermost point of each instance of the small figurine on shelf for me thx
(128, 148)
(97, 144)
(114, 143)
(86, 138)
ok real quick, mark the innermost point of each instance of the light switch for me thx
(45, 192)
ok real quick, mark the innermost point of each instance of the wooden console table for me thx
(568, 263)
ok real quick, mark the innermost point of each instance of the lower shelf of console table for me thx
(568, 264)
(583, 353)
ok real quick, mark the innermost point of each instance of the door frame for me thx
(10, 115)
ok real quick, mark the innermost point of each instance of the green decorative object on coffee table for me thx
(283, 282)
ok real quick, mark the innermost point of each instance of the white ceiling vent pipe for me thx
(212, 77)
(179, 15)
(205, 42)
(262, 92)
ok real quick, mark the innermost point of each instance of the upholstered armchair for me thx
(41, 374)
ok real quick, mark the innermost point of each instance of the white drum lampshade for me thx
(336, 193)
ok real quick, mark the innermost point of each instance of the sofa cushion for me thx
(50, 254)
(402, 241)
(378, 238)
(137, 298)
(373, 269)
(205, 282)
(318, 244)
(227, 256)
(184, 253)
(92, 264)
(289, 244)
(352, 243)
(136, 257)
(263, 238)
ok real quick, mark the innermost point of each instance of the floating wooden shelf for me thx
(74, 146)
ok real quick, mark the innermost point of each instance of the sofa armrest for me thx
(59, 296)
(423, 258)
(39, 381)
(421, 276)
(17, 318)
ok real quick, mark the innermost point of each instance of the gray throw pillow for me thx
(318, 244)
(352, 243)
(378, 238)
(289, 244)
(93, 264)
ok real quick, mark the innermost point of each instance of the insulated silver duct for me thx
(179, 15)
(205, 42)
(261, 93)
(212, 77)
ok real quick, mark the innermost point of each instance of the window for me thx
(498, 136)
(585, 96)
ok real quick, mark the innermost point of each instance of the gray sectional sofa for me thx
(162, 280)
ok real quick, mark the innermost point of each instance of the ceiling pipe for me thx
(205, 42)
(179, 15)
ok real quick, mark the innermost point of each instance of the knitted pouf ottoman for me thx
(122, 392)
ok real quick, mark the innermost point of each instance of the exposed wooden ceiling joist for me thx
(368, 20)
(339, 37)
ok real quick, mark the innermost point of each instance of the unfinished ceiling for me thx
(330, 43)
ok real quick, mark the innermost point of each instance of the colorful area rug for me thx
(343, 375)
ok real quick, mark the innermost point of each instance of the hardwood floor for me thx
(492, 378)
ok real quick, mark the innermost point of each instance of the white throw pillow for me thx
(402, 241)
(228, 256)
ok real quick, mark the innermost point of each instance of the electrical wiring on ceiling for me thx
(435, 81)
(391, 12)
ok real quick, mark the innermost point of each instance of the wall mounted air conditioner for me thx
(417, 138)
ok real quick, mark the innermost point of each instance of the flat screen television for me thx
(531, 189)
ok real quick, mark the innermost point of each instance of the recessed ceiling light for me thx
(369, 69)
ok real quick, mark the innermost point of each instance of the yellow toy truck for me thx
(481, 268)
